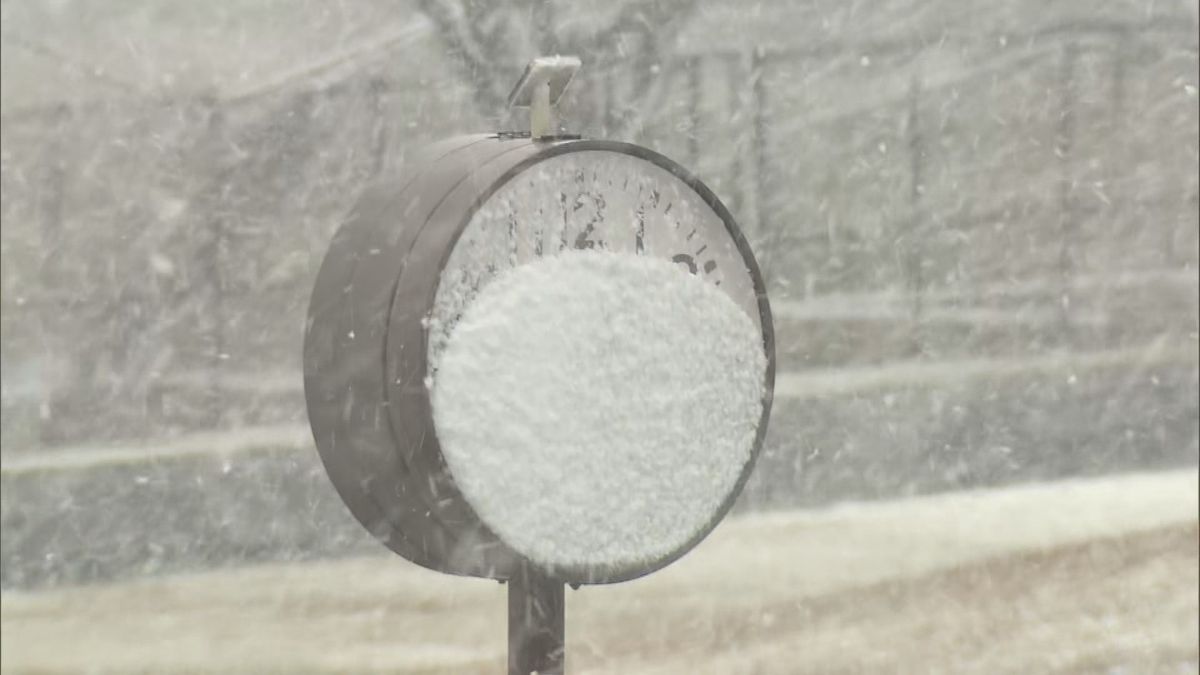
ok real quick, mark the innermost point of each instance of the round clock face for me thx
(595, 200)
(596, 362)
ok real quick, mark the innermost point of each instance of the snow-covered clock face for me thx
(555, 352)
(589, 200)
(596, 363)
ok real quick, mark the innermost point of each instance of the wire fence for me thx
(164, 248)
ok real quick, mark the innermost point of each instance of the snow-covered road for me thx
(1087, 575)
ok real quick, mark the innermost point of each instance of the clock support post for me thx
(536, 623)
(536, 602)
(540, 88)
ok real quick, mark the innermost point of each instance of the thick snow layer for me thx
(596, 409)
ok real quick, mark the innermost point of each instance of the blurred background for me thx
(978, 222)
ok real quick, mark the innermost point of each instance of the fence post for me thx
(1063, 147)
(695, 93)
(379, 140)
(736, 189)
(914, 277)
(758, 92)
(610, 93)
(209, 254)
(50, 209)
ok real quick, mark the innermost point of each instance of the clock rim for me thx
(460, 218)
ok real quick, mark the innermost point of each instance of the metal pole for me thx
(536, 624)
(914, 237)
(1068, 221)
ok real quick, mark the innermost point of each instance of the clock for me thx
(411, 258)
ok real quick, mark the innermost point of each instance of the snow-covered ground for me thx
(1092, 575)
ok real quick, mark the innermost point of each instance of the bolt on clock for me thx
(540, 359)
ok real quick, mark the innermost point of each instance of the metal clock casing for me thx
(367, 343)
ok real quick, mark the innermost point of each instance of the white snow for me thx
(596, 408)
(828, 590)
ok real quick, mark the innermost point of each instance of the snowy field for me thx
(1081, 576)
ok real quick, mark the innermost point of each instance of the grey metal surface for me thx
(341, 312)
(344, 377)
(536, 624)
